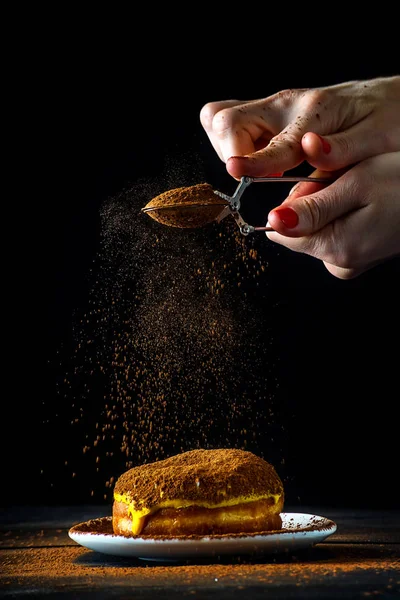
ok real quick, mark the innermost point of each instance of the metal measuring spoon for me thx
(199, 205)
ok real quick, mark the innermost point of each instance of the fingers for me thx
(277, 133)
(351, 224)
(310, 206)
(227, 135)
(305, 188)
(356, 143)
(255, 138)
(284, 152)
(307, 221)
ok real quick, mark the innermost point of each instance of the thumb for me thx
(310, 207)
(342, 149)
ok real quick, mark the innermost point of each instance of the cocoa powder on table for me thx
(64, 566)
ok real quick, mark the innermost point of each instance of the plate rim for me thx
(328, 527)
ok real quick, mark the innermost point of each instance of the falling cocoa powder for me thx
(172, 352)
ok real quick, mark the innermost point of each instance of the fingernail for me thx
(288, 216)
(326, 147)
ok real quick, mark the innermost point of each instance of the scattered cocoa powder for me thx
(330, 565)
(173, 350)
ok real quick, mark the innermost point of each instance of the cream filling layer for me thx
(139, 516)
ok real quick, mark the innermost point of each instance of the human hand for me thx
(358, 121)
(351, 225)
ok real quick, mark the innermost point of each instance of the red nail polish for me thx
(326, 147)
(288, 216)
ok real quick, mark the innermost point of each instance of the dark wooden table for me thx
(39, 560)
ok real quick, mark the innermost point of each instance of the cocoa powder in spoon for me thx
(186, 207)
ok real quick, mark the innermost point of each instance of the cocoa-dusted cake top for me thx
(207, 476)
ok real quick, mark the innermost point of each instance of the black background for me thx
(91, 117)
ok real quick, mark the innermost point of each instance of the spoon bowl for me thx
(186, 207)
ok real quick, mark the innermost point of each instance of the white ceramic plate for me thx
(299, 530)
